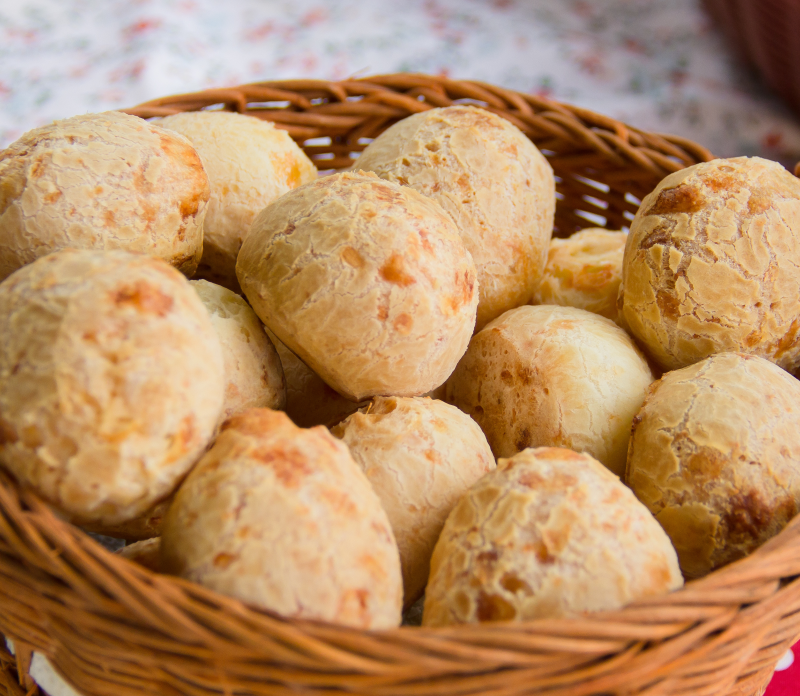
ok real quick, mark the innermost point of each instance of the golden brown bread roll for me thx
(102, 181)
(715, 456)
(420, 456)
(584, 271)
(111, 381)
(249, 164)
(366, 281)
(712, 264)
(284, 519)
(553, 376)
(549, 533)
(253, 372)
(494, 183)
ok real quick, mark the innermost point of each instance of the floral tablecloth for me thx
(658, 65)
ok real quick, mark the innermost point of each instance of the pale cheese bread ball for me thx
(553, 376)
(712, 264)
(102, 181)
(366, 281)
(253, 372)
(584, 271)
(249, 163)
(715, 456)
(549, 533)
(284, 519)
(111, 381)
(309, 401)
(494, 183)
(146, 553)
(420, 456)
(145, 526)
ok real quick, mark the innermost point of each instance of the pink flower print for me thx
(259, 32)
(309, 63)
(141, 27)
(591, 64)
(315, 16)
(634, 46)
(128, 71)
(28, 36)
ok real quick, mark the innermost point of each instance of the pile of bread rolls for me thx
(312, 424)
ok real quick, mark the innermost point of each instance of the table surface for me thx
(661, 66)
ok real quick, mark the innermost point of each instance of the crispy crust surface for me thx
(253, 372)
(712, 264)
(111, 381)
(584, 271)
(494, 183)
(368, 282)
(284, 519)
(549, 533)
(553, 376)
(249, 164)
(714, 455)
(421, 456)
(102, 181)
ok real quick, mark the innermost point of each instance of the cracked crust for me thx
(553, 376)
(253, 372)
(249, 164)
(493, 182)
(309, 401)
(283, 518)
(712, 264)
(549, 533)
(366, 281)
(420, 456)
(714, 455)
(111, 381)
(102, 181)
(584, 271)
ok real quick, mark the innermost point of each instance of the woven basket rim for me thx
(745, 571)
(732, 612)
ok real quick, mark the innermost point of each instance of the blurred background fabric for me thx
(662, 66)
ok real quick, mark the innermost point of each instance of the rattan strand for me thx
(116, 629)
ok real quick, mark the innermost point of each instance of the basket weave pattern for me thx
(116, 629)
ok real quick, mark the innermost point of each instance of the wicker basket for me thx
(115, 629)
